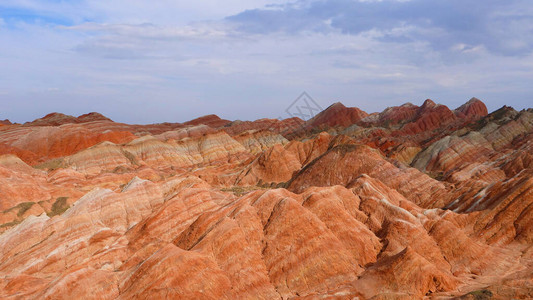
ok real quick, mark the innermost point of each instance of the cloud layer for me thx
(137, 61)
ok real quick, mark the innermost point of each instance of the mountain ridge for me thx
(415, 201)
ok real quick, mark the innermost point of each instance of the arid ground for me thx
(413, 202)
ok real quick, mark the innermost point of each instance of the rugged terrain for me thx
(410, 203)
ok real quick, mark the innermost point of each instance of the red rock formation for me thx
(259, 141)
(38, 144)
(283, 127)
(187, 132)
(319, 243)
(53, 119)
(56, 119)
(209, 120)
(345, 163)
(278, 164)
(410, 203)
(20, 183)
(336, 115)
(473, 109)
(392, 116)
(91, 117)
(407, 275)
(429, 116)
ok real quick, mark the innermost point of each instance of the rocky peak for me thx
(92, 116)
(428, 104)
(336, 105)
(337, 114)
(53, 119)
(473, 109)
(57, 119)
(211, 120)
(432, 206)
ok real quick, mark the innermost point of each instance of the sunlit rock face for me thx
(414, 202)
(473, 109)
(337, 115)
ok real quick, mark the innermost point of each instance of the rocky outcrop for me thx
(343, 164)
(187, 132)
(279, 163)
(20, 185)
(428, 117)
(410, 203)
(473, 109)
(39, 144)
(183, 238)
(336, 115)
(284, 127)
(56, 119)
(209, 120)
(406, 274)
(259, 141)
(392, 116)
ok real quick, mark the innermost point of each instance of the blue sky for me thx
(153, 61)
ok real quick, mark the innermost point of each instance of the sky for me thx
(170, 61)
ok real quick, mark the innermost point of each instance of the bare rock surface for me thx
(415, 202)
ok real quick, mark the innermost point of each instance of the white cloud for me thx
(151, 31)
(143, 62)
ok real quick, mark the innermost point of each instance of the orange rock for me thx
(259, 141)
(343, 164)
(44, 143)
(428, 117)
(406, 274)
(473, 109)
(279, 163)
(56, 119)
(209, 120)
(175, 273)
(283, 127)
(336, 115)
(409, 203)
(392, 116)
